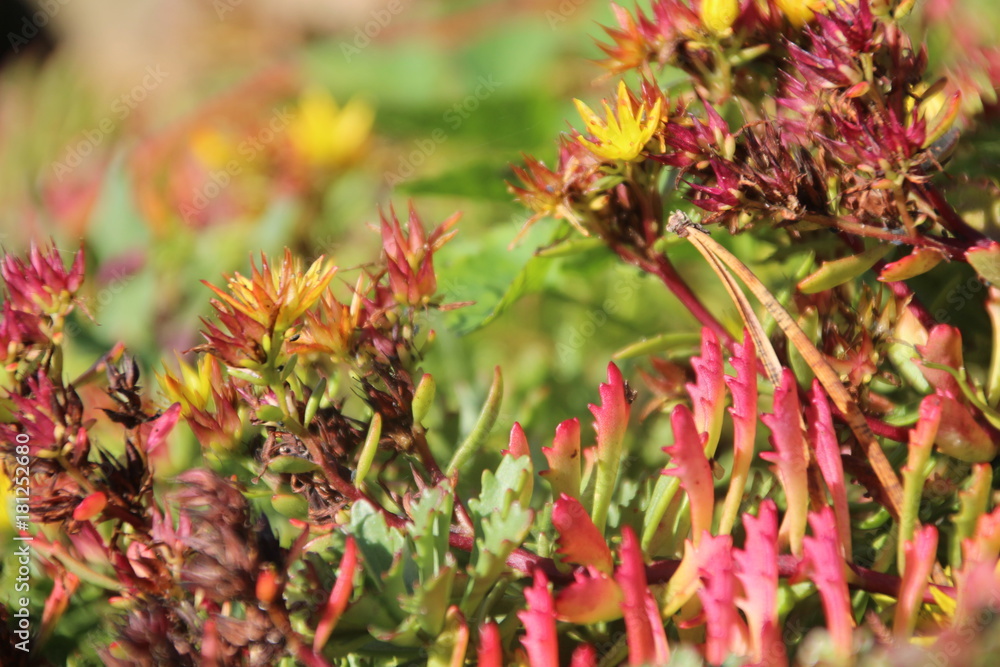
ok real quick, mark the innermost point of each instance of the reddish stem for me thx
(661, 267)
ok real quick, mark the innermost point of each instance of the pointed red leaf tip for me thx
(340, 595)
(611, 417)
(490, 652)
(593, 597)
(517, 445)
(825, 566)
(579, 540)
(790, 458)
(63, 588)
(824, 440)
(584, 655)
(691, 467)
(646, 638)
(725, 632)
(920, 554)
(757, 571)
(563, 456)
(539, 621)
(162, 426)
(90, 506)
(708, 391)
(959, 434)
(743, 387)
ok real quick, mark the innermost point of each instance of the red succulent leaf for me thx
(725, 632)
(490, 652)
(643, 627)
(64, 585)
(757, 571)
(91, 506)
(162, 426)
(593, 597)
(825, 564)
(827, 452)
(579, 540)
(984, 545)
(517, 444)
(584, 655)
(539, 621)
(790, 458)
(944, 346)
(564, 459)
(920, 557)
(610, 422)
(691, 467)
(709, 389)
(340, 595)
(743, 387)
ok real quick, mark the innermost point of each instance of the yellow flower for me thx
(718, 16)
(193, 389)
(212, 148)
(623, 133)
(277, 298)
(326, 135)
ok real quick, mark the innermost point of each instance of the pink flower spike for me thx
(825, 564)
(490, 653)
(790, 458)
(579, 540)
(539, 620)
(827, 449)
(611, 420)
(757, 571)
(743, 387)
(339, 596)
(518, 444)
(564, 460)
(920, 554)
(709, 389)
(644, 645)
(691, 467)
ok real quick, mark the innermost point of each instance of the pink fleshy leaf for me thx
(579, 540)
(91, 506)
(593, 597)
(162, 426)
(539, 621)
(490, 653)
(584, 655)
(691, 467)
(518, 444)
(757, 571)
(725, 633)
(743, 387)
(642, 632)
(920, 556)
(984, 545)
(564, 460)
(827, 450)
(825, 564)
(611, 420)
(944, 346)
(708, 391)
(790, 458)
(340, 595)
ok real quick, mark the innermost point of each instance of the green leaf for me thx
(839, 271)
(292, 465)
(431, 514)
